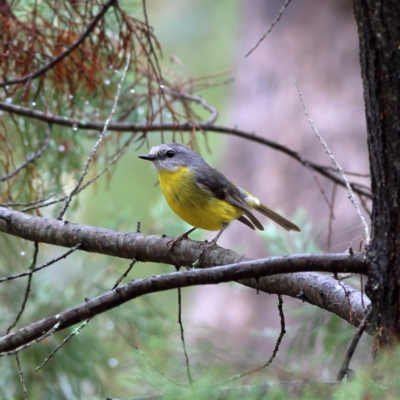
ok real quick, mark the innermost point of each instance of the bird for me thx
(202, 196)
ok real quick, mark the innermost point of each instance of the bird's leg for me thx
(172, 243)
(206, 246)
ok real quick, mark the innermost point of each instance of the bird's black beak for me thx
(147, 157)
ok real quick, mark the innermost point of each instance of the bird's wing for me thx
(215, 183)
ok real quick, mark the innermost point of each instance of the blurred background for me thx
(229, 328)
(315, 45)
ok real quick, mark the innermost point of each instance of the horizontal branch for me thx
(245, 270)
(187, 126)
(317, 289)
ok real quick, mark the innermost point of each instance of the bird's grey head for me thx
(172, 156)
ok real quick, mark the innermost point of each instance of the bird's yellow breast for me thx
(194, 205)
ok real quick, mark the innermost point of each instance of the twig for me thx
(197, 99)
(77, 330)
(89, 182)
(98, 143)
(348, 300)
(56, 60)
(350, 173)
(329, 204)
(74, 332)
(333, 159)
(281, 11)
(365, 207)
(27, 290)
(29, 159)
(158, 371)
(21, 376)
(344, 369)
(276, 349)
(331, 216)
(188, 372)
(28, 203)
(32, 271)
(151, 43)
(125, 274)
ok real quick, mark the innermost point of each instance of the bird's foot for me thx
(173, 242)
(206, 246)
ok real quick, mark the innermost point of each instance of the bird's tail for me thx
(283, 222)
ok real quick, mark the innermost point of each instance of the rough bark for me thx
(378, 25)
(317, 289)
(241, 272)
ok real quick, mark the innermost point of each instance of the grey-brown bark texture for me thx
(317, 289)
(379, 32)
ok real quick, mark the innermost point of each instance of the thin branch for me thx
(28, 203)
(329, 204)
(276, 348)
(333, 159)
(150, 42)
(28, 288)
(139, 287)
(349, 173)
(181, 127)
(32, 271)
(344, 369)
(47, 202)
(56, 60)
(364, 206)
(197, 99)
(24, 301)
(30, 159)
(78, 330)
(281, 11)
(340, 283)
(74, 332)
(331, 216)
(155, 368)
(182, 331)
(98, 143)
(125, 274)
(21, 376)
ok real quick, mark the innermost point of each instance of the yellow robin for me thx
(202, 196)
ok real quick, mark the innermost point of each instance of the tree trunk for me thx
(379, 31)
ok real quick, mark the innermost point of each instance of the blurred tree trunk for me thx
(316, 44)
(378, 26)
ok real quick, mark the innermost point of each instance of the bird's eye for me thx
(170, 153)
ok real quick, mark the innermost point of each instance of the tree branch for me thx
(317, 289)
(64, 54)
(30, 158)
(140, 287)
(327, 172)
